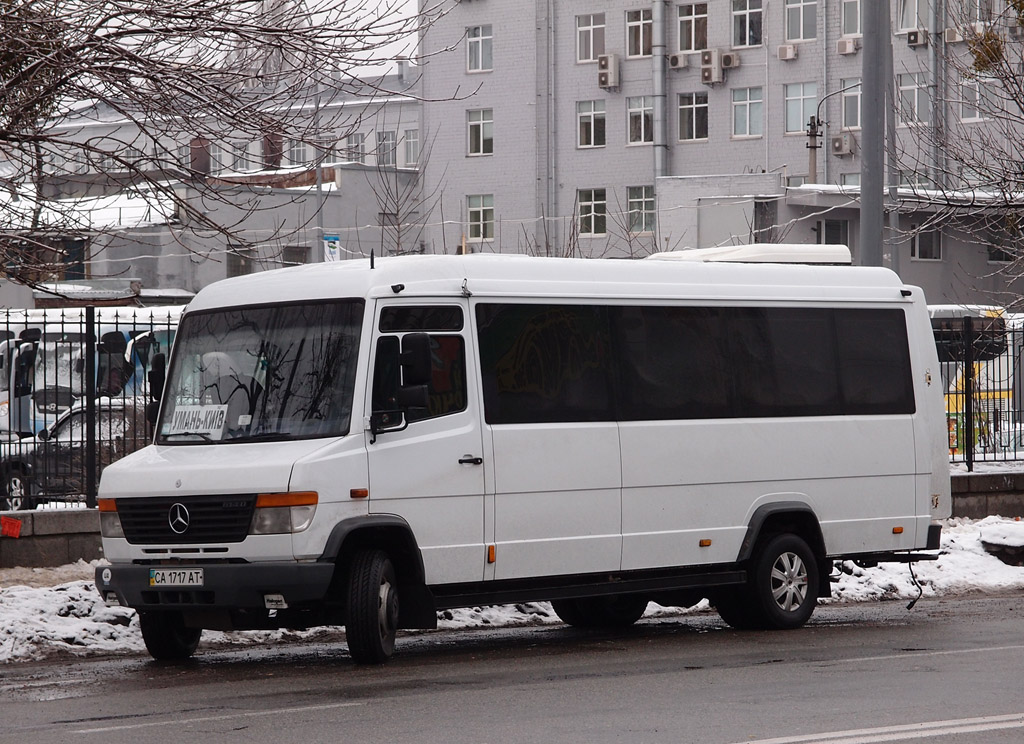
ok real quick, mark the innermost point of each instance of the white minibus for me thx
(366, 443)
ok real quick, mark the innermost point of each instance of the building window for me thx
(914, 103)
(834, 232)
(746, 23)
(801, 20)
(975, 99)
(925, 245)
(795, 181)
(294, 255)
(589, 37)
(801, 105)
(693, 27)
(479, 49)
(998, 254)
(981, 11)
(849, 179)
(639, 32)
(913, 14)
(355, 148)
(593, 205)
(240, 261)
(851, 20)
(693, 116)
(851, 102)
(640, 203)
(747, 112)
(481, 217)
(298, 152)
(481, 132)
(590, 123)
(641, 119)
(387, 147)
(412, 147)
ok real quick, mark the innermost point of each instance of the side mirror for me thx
(157, 378)
(43, 435)
(152, 411)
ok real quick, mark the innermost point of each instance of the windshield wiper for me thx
(201, 434)
(265, 436)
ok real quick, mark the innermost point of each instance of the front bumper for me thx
(226, 586)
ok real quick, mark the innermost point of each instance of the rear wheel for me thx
(784, 582)
(372, 621)
(615, 611)
(166, 636)
(15, 497)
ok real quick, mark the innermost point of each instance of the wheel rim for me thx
(789, 582)
(387, 611)
(15, 493)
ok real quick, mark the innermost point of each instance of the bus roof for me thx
(494, 275)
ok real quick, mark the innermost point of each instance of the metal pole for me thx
(969, 392)
(90, 407)
(877, 35)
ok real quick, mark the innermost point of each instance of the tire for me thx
(372, 618)
(614, 611)
(166, 636)
(784, 582)
(16, 490)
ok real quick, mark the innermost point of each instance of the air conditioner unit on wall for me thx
(787, 51)
(730, 60)
(847, 45)
(952, 36)
(677, 61)
(608, 71)
(843, 144)
(711, 74)
(917, 37)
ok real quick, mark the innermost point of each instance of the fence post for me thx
(969, 392)
(90, 407)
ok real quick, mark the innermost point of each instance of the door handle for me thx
(470, 460)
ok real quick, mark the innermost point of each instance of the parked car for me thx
(52, 465)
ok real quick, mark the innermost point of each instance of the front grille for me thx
(210, 519)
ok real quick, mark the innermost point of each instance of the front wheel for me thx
(784, 582)
(15, 497)
(166, 636)
(372, 620)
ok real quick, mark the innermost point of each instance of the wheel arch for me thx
(393, 535)
(794, 517)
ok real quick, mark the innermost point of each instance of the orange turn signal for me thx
(705, 543)
(358, 493)
(106, 505)
(296, 498)
(897, 530)
(491, 554)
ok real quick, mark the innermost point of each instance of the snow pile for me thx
(41, 621)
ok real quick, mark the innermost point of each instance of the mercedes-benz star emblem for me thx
(177, 518)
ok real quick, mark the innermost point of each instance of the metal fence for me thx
(982, 375)
(73, 391)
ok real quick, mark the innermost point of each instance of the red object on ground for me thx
(10, 527)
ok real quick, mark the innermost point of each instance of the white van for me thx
(365, 445)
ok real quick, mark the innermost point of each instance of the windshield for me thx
(277, 372)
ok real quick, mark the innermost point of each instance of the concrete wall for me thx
(52, 538)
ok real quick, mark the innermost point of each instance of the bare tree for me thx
(104, 96)
(967, 155)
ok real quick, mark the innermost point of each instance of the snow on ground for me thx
(47, 612)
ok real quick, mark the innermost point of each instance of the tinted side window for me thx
(674, 363)
(421, 318)
(874, 361)
(544, 363)
(447, 387)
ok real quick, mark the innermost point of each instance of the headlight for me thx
(110, 522)
(283, 513)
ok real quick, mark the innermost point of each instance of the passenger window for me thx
(545, 363)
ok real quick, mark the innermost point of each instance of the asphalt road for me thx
(949, 671)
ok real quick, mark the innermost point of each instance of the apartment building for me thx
(618, 128)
